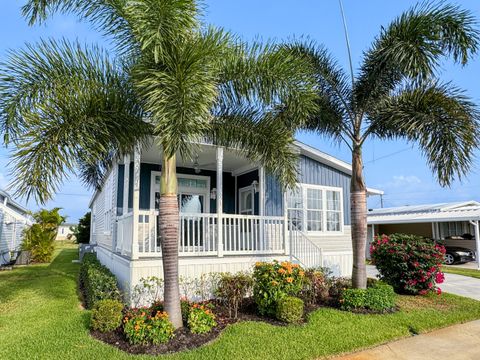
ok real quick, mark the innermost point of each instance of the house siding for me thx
(309, 172)
(11, 233)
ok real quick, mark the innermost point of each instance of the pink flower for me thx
(439, 278)
(430, 285)
(423, 292)
(439, 291)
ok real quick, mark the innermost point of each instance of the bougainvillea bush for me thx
(273, 281)
(410, 263)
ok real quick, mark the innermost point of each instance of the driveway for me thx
(454, 284)
(459, 342)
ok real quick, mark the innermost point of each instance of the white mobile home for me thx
(232, 214)
(13, 220)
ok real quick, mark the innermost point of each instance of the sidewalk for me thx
(458, 342)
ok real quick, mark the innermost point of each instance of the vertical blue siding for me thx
(309, 172)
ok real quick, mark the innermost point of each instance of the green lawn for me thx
(41, 318)
(461, 271)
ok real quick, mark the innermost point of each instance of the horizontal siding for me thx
(11, 234)
(341, 242)
(103, 213)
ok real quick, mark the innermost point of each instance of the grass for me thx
(41, 318)
(461, 271)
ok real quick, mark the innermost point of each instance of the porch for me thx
(222, 206)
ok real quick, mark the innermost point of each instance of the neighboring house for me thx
(456, 224)
(64, 230)
(232, 214)
(13, 219)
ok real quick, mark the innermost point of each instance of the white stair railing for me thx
(303, 249)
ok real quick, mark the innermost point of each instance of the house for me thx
(64, 231)
(456, 223)
(232, 214)
(13, 219)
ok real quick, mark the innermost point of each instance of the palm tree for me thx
(67, 107)
(395, 95)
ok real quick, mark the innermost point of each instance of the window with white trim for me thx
(315, 209)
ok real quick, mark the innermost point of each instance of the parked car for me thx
(458, 255)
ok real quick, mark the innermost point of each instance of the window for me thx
(246, 200)
(313, 208)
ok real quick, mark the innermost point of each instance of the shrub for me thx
(40, 237)
(185, 306)
(337, 287)
(379, 298)
(148, 291)
(142, 328)
(316, 286)
(290, 309)
(411, 264)
(81, 232)
(107, 315)
(232, 289)
(201, 319)
(97, 282)
(273, 281)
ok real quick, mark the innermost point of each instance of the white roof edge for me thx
(324, 158)
(372, 191)
(459, 205)
(420, 220)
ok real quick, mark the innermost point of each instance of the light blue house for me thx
(232, 214)
(13, 219)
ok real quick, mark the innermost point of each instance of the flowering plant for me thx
(141, 327)
(201, 319)
(411, 264)
(273, 281)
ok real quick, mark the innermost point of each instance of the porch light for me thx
(255, 186)
(213, 194)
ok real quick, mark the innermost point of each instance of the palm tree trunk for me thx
(168, 226)
(358, 204)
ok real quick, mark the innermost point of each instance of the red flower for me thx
(439, 278)
(439, 291)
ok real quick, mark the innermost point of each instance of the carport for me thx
(449, 222)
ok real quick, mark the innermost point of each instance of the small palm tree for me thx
(66, 106)
(395, 95)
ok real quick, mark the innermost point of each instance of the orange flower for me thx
(274, 283)
(281, 271)
(301, 273)
(289, 280)
(295, 266)
(258, 264)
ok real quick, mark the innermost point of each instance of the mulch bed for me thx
(184, 339)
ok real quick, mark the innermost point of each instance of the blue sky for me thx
(396, 167)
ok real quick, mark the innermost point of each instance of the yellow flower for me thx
(301, 273)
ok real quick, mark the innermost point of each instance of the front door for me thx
(193, 200)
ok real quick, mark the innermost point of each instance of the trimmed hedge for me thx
(107, 315)
(290, 309)
(97, 281)
(379, 298)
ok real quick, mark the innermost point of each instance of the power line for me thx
(387, 155)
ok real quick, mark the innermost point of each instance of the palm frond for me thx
(412, 47)
(439, 118)
(61, 104)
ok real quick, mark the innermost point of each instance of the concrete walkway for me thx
(458, 342)
(454, 284)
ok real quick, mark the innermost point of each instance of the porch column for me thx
(136, 199)
(261, 205)
(220, 201)
(286, 236)
(476, 225)
(126, 180)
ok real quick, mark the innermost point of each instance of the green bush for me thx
(290, 309)
(97, 281)
(379, 298)
(316, 286)
(201, 319)
(82, 230)
(142, 328)
(107, 315)
(39, 238)
(273, 281)
(232, 289)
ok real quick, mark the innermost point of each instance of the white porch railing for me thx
(303, 249)
(241, 234)
(124, 234)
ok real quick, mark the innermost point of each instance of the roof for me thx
(13, 202)
(324, 158)
(454, 211)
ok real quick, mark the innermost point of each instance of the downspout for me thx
(476, 224)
